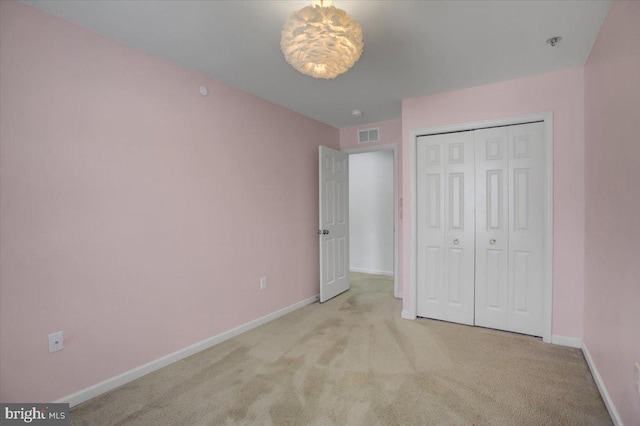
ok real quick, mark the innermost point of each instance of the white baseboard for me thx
(572, 342)
(615, 417)
(126, 377)
(372, 271)
(405, 315)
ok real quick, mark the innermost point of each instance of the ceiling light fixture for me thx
(321, 41)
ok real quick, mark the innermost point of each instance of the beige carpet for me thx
(354, 361)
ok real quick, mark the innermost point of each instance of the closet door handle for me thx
(492, 242)
(456, 242)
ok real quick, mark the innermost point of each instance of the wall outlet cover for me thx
(56, 341)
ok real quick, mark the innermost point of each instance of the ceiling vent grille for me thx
(369, 135)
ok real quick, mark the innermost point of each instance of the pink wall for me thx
(137, 215)
(563, 94)
(612, 253)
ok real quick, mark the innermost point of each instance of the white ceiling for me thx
(412, 48)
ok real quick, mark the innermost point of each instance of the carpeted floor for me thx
(354, 361)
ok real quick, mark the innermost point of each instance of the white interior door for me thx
(334, 223)
(492, 227)
(510, 207)
(445, 186)
(481, 206)
(527, 204)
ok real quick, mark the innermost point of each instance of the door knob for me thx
(492, 241)
(325, 231)
(456, 242)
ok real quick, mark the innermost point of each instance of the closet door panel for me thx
(446, 227)
(526, 223)
(492, 228)
(460, 226)
(431, 293)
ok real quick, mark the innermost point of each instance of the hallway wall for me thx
(371, 212)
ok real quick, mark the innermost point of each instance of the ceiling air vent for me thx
(369, 135)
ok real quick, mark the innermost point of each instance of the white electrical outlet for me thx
(638, 378)
(55, 342)
(263, 283)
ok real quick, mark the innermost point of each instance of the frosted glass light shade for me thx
(322, 42)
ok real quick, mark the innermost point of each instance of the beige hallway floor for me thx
(354, 361)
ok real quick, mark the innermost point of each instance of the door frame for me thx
(389, 147)
(547, 118)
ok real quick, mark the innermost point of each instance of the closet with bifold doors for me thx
(481, 203)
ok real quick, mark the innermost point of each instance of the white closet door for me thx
(445, 185)
(527, 203)
(510, 206)
(492, 228)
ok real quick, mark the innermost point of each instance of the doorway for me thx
(373, 211)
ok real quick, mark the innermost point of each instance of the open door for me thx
(333, 231)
